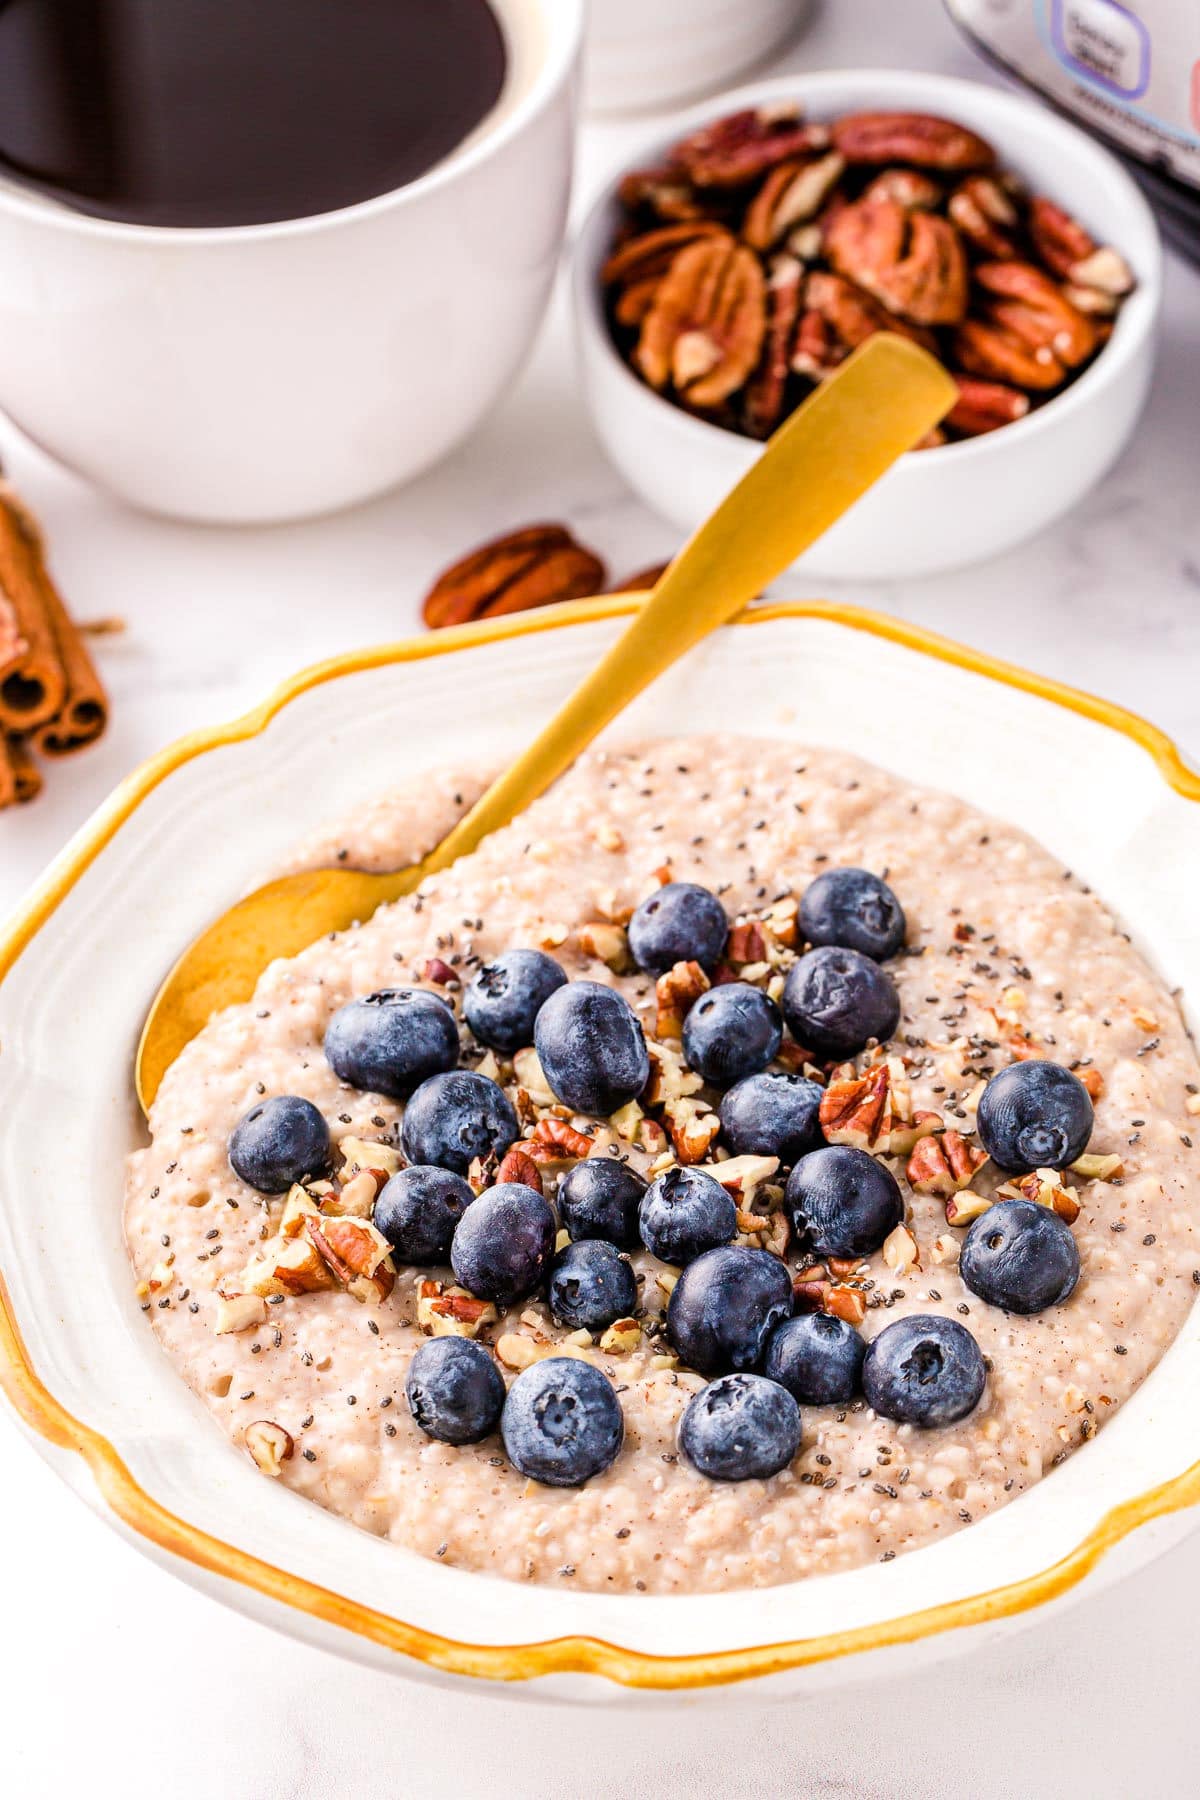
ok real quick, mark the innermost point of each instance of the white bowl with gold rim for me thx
(935, 509)
(83, 1369)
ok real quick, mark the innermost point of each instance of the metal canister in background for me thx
(1130, 73)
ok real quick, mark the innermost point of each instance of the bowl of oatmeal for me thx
(344, 1343)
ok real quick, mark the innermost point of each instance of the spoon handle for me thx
(881, 402)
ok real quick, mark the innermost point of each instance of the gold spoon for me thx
(879, 404)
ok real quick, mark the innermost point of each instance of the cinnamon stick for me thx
(85, 710)
(33, 683)
(26, 774)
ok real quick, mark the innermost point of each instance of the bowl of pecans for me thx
(743, 257)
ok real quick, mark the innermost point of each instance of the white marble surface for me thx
(113, 1674)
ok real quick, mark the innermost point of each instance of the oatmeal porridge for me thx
(743, 1166)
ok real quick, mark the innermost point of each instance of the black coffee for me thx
(237, 112)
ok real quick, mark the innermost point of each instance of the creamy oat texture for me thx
(998, 924)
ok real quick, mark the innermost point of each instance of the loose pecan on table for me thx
(532, 567)
(766, 248)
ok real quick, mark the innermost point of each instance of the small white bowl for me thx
(935, 509)
(81, 960)
(645, 53)
(269, 372)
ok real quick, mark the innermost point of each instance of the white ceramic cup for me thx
(936, 509)
(646, 53)
(270, 372)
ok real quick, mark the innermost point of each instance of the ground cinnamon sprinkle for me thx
(51, 697)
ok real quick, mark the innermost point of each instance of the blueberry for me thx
(684, 1213)
(418, 1209)
(506, 996)
(680, 923)
(455, 1117)
(773, 1114)
(834, 1000)
(740, 1428)
(503, 1242)
(562, 1422)
(591, 1048)
(731, 1032)
(724, 1307)
(843, 1202)
(279, 1142)
(924, 1370)
(392, 1041)
(817, 1358)
(590, 1285)
(855, 910)
(600, 1199)
(1020, 1256)
(455, 1391)
(1034, 1115)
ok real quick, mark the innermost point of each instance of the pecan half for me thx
(907, 187)
(1059, 240)
(922, 139)
(704, 333)
(983, 405)
(636, 267)
(767, 389)
(984, 212)
(992, 350)
(852, 1112)
(792, 193)
(1034, 307)
(662, 192)
(912, 262)
(743, 146)
(554, 1140)
(533, 567)
(838, 317)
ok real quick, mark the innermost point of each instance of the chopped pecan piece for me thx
(808, 1293)
(846, 1303)
(852, 1112)
(524, 569)
(944, 1164)
(963, 1207)
(555, 1141)
(358, 1254)
(768, 387)
(451, 1311)
(912, 262)
(900, 1252)
(792, 193)
(742, 1176)
(740, 148)
(238, 1312)
(622, 1337)
(1093, 1081)
(608, 943)
(704, 333)
(983, 405)
(290, 1265)
(519, 1166)
(676, 993)
(1098, 1168)
(921, 139)
(1046, 1187)
(269, 1445)
(693, 1128)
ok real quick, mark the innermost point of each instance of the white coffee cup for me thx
(271, 372)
